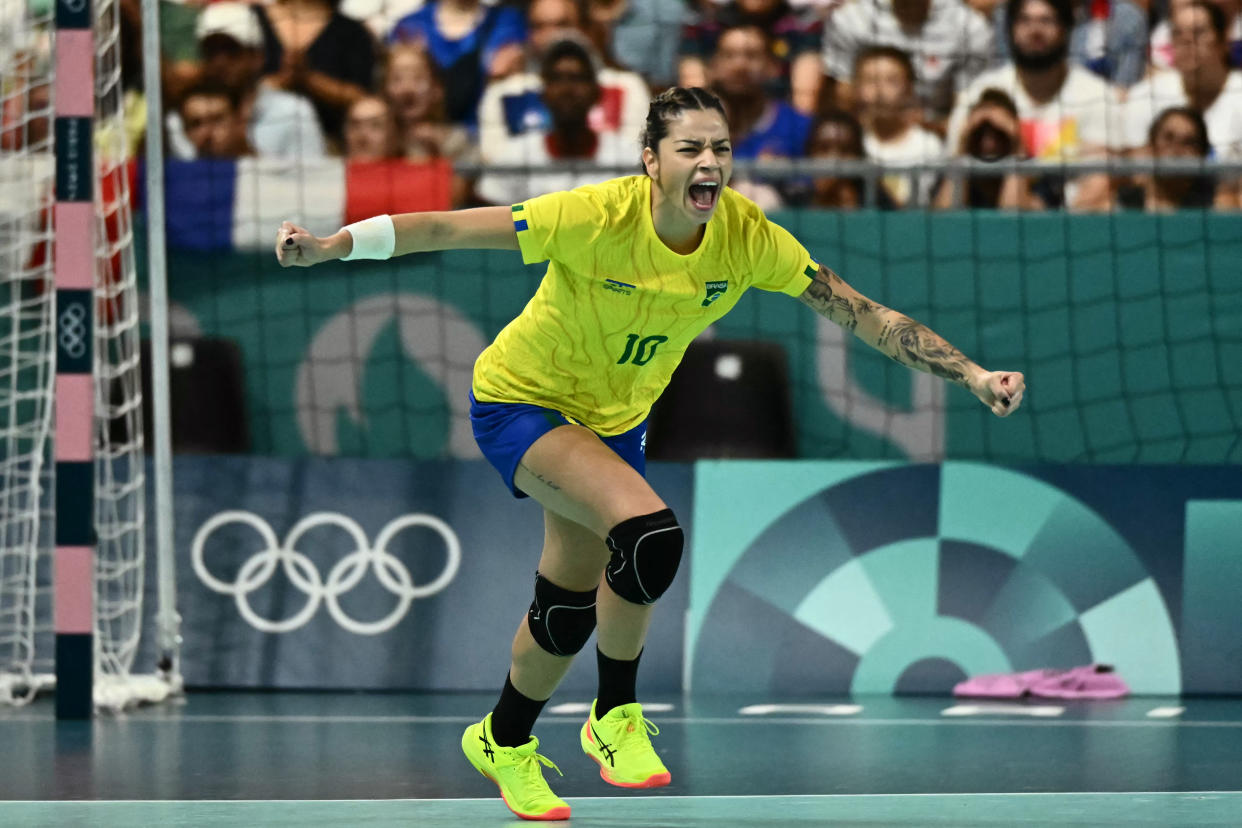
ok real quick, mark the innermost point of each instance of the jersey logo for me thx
(618, 287)
(714, 291)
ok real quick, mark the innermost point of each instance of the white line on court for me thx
(1165, 712)
(1002, 710)
(823, 721)
(822, 709)
(683, 798)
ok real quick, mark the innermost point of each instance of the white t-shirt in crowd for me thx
(915, 145)
(948, 52)
(1081, 121)
(624, 99)
(1151, 96)
(532, 148)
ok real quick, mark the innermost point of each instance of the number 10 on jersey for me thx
(638, 350)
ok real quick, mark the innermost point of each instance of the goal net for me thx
(27, 373)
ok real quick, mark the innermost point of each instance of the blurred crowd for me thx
(489, 94)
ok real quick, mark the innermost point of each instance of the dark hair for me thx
(888, 52)
(841, 118)
(1064, 10)
(210, 88)
(1201, 133)
(1215, 16)
(668, 105)
(996, 97)
(567, 47)
(764, 33)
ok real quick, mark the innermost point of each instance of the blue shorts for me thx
(504, 431)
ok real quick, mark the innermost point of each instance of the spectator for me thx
(1160, 54)
(888, 111)
(377, 178)
(570, 90)
(1178, 132)
(212, 120)
(1201, 80)
(469, 43)
(279, 124)
(836, 135)
(949, 44)
(371, 130)
(794, 41)
(1066, 113)
(992, 132)
(310, 48)
(645, 37)
(1109, 37)
(759, 125)
(412, 86)
(514, 105)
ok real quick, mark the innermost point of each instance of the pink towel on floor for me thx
(1094, 681)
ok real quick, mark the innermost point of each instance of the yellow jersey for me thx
(617, 308)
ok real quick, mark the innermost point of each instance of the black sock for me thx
(616, 683)
(513, 717)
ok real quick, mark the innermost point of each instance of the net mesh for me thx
(26, 328)
(1126, 325)
(26, 350)
(120, 475)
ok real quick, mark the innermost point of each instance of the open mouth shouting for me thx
(704, 194)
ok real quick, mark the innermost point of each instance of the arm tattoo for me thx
(917, 346)
(824, 296)
(893, 334)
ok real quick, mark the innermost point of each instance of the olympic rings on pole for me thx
(344, 575)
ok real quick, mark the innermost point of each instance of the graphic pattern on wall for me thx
(880, 578)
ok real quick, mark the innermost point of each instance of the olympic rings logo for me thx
(344, 575)
(71, 333)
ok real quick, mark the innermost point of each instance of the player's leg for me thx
(599, 496)
(557, 625)
(590, 486)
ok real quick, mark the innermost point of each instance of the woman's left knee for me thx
(646, 553)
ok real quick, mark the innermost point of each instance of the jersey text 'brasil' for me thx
(617, 308)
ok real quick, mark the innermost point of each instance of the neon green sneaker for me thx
(621, 744)
(516, 771)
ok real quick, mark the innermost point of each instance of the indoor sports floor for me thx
(269, 759)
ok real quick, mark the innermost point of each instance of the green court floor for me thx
(878, 811)
(312, 759)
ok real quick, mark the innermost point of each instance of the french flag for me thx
(238, 204)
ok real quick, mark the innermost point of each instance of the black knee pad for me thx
(646, 551)
(560, 620)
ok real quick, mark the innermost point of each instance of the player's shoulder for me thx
(737, 209)
(604, 207)
(616, 200)
(744, 224)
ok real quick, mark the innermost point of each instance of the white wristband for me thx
(374, 238)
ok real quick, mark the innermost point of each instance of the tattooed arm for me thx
(910, 343)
